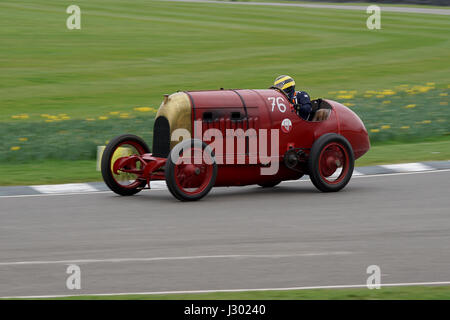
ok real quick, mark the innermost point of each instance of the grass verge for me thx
(65, 171)
(386, 293)
(403, 153)
(49, 172)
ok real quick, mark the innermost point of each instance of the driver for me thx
(300, 99)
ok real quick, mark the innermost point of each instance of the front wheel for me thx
(123, 183)
(191, 170)
(331, 162)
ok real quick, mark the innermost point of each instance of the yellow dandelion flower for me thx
(374, 130)
(388, 92)
(15, 148)
(405, 127)
(65, 118)
(350, 104)
(443, 94)
(430, 83)
(409, 106)
(124, 115)
(113, 113)
(20, 116)
(345, 96)
(103, 118)
(426, 121)
(380, 96)
(443, 103)
(423, 89)
(143, 109)
(384, 127)
(23, 139)
(48, 120)
(342, 91)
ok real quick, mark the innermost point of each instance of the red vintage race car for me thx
(203, 139)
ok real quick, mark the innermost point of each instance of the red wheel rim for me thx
(127, 148)
(333, 163)
(192, 174)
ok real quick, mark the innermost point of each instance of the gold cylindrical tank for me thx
(176, 108)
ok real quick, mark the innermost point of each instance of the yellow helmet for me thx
(285, 83)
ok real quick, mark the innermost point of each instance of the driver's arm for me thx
(303, 105)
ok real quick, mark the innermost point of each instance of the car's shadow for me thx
(286, 190)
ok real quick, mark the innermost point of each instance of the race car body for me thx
(247, 133)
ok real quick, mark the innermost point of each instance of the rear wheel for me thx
(191, 170)
(331, 162)
(123, 183)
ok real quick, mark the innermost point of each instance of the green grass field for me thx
(129, 54)
(63, 92)
(385, 293)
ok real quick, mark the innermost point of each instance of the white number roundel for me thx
(278, 102)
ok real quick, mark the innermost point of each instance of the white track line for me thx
(62, 188)
(358, 175)
(54, 194)
(400, 173)
(407, 167)
(379, 175)
(234, 290)
(227, 256)
(324, 6)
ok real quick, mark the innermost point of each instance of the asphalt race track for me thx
(235, 238)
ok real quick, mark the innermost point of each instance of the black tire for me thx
(171, 180)
(269, 184)
(106, 164)
(317, 178)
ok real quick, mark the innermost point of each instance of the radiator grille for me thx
(161, 137)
